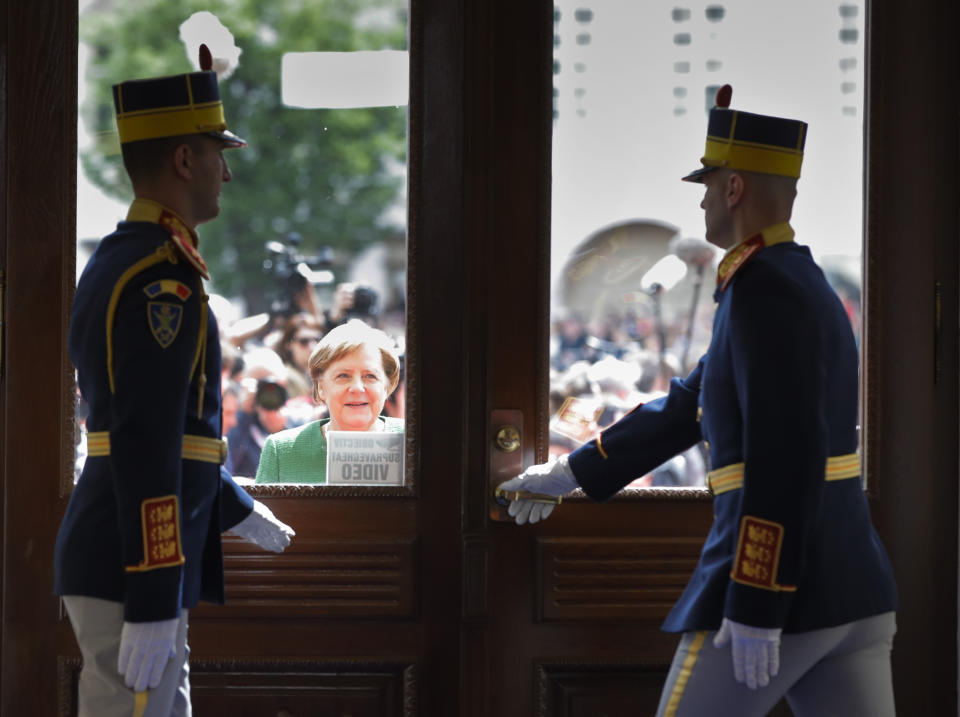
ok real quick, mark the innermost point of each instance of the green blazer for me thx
(299, 455)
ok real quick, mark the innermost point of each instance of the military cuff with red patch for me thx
(758, 554)
(160, 522)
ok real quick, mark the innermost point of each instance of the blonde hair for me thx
(350, 337)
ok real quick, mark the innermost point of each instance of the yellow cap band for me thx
(752, 157)
(171, 122)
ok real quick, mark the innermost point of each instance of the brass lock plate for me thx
(505, 454)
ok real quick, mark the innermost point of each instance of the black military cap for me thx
(171, 106)
(752, 142)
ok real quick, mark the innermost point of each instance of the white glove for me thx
(551, 478)
(262, 528)
(145, 648)
(756, 651)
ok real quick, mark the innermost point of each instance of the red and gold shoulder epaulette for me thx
(181, 236)
(183, 239)
(739, 255)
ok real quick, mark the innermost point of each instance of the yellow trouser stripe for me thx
(139, 703)
(693, 652)
(195, 448)
(730, 477)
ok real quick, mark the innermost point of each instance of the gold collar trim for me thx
(739, 255)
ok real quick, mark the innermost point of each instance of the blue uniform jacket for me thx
(792, 544)
(143, 523)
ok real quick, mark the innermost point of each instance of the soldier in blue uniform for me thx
(140, 542)
(793, 583)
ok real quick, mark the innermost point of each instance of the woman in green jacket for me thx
(354, 369)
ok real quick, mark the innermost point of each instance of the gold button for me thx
(699, 413)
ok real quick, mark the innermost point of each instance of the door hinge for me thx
(3, 286)
(937, 325)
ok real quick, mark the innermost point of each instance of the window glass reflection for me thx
(312, 229)
(632, 278)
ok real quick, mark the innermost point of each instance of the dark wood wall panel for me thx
(592, 690)
(301, 689)
(257, 688)
(475, 567)
(319, 578)
(614, 579)
(68, 676)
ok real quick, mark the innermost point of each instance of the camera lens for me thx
(271, 395)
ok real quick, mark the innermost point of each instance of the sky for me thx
(619, 150)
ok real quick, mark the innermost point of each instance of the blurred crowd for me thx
(601, 370)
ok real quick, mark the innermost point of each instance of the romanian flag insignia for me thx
(168, 286)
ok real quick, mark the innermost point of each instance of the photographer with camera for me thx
(353, 301)
(245, 441)
(294, 275)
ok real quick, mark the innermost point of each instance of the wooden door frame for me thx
(38, 65)
(911, 335)
(911, 382)
(38, 62)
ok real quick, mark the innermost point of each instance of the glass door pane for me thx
(312, 227)
(632, 278)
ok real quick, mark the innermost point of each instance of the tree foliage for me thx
(329, 175)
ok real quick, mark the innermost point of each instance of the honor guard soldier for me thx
(140, 542)
(793, 583)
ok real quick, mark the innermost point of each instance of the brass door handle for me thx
(503, 497)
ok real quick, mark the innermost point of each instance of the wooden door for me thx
(416, 602)
(361, 615)
(570, 620)
(569, 624)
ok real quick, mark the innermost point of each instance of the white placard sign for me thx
(364, 458)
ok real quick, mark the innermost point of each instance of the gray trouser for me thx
(97, 625)
(841, 671)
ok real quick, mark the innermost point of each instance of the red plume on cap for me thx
(724, 95)
(206, 59)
